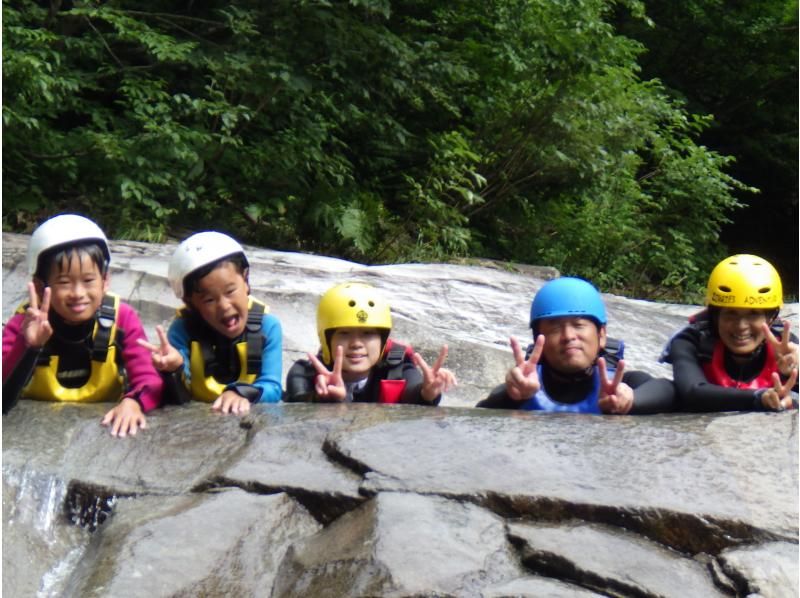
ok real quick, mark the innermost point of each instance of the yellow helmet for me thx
(351, 305)
(744, 281)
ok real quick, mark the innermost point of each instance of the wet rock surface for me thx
(366, 500)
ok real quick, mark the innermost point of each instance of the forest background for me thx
(634, 143)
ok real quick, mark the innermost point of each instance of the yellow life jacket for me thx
(105, 381)
(205, 387)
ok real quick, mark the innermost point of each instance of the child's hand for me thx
(615, 396)
(166, 358)
(785, 351)
(437, 379)
(231, 401)
(125, 418)
(522, 381)
(329, 385)
(36, 328)
(779, 396)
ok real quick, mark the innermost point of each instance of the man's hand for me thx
(522, 381)
(616, 397)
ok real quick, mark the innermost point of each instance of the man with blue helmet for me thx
(573, 366)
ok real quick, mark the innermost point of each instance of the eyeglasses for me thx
(751, 316)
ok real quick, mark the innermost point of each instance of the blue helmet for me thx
(568, 297)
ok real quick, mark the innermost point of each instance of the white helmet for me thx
(197, 251)
(65, 229)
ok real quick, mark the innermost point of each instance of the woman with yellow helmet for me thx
(357, 359)
(736, 355)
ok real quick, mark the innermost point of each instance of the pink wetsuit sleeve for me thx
(143, 379)
(13, 344)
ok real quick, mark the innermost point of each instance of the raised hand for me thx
(785, 351)
(166, 358)
(615, 396)
(779, 396)
(522, 381)
(436, 379)
(36, 328)
(329, 385)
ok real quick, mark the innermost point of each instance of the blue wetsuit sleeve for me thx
(176, 389)
(178, 337)
(269, 379)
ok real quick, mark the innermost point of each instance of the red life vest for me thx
(392, 387)
(716, 374)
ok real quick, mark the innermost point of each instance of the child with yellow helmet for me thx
(74, 341)
(358, 361)
(736, 355)
(223, 348)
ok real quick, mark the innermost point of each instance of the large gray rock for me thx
(365, 500)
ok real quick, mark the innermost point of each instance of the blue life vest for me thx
(541, 401)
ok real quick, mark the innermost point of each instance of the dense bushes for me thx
(375, 130)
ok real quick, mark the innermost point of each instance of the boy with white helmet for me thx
(223, 348)
(736, 355)
(74, 341)
(358, 362)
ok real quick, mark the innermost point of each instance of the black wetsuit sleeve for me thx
(694, 391)
(175, 391)
(18, 378)
(498, 399)
(650, 395)
(300, 382)
(412, 393)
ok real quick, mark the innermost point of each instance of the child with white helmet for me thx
(358, 361)
(73, 340)
(223, 348)
(736, 355)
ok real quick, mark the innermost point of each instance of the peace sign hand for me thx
(329, 385)
(436, 379)
(36, 328)
(779, 396)
(615, 396)
(522, 381)
(785, 351)
(166, 358)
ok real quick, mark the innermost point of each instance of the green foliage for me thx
(375, 130)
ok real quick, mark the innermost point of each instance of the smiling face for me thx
(571, 344)
(77, 287)
(740, 329)
(221, 298)
(361, 349)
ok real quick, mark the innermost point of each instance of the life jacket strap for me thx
(105, 318)
(614, 351)
(255, 340)
(395, 357)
